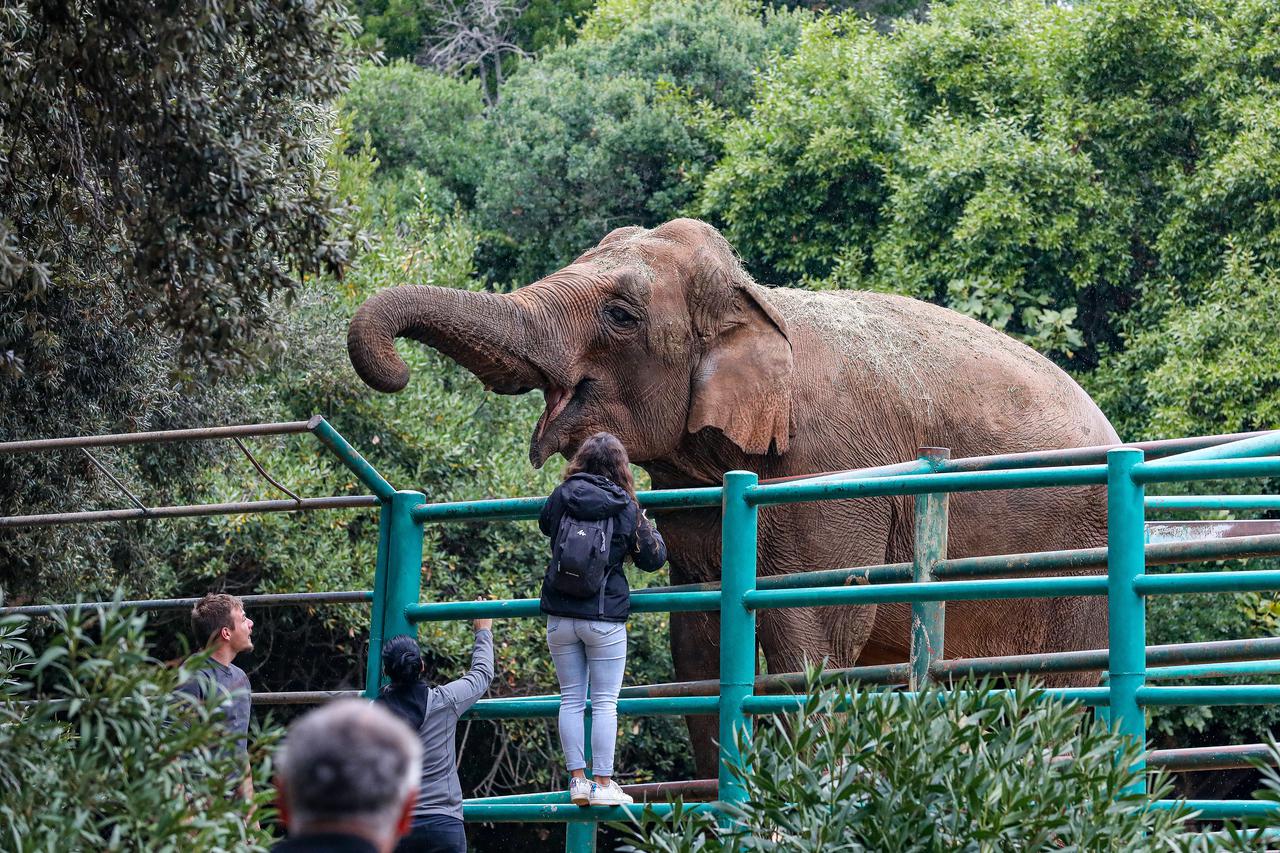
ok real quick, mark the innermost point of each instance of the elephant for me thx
(660, 337)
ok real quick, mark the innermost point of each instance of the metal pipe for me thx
(1212, 502)
(156, 437)
(1126, 608)
(112, 477)
(1091, 455)
(304, 697)
(190, 511)
(1221, 809)
(1211, 694)
(517, 509)
(547, 707)
(977, 481)
(938, 591)
(273, 599)
(257, 466)
(1248, 581)
(1266, 444)
(351, 458)
(1237, 757)
(1215, 670)
(1177, 471)
(512, 608)
(558, 813)
(689, 789)
(738, 538)
(928, 618)
(760, 705)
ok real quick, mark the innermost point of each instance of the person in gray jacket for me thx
(433, 713)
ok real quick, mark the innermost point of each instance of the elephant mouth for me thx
(558, 400)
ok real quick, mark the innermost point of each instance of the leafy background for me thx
(1100, 180)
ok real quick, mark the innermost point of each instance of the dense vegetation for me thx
(981, 769)
(1101, 180)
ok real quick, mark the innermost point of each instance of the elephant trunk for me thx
(488, 334)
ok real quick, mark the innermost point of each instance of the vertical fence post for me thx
(580, 836)
(1126, 609)
(928, 618)
(397, 578)
(737, 623)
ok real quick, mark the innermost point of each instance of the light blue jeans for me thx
(585, 650)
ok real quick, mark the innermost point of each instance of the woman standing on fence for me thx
(594, 523)
(433, 713)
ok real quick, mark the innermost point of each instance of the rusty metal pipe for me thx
(190, 511)
(261, 600)
(158, 436)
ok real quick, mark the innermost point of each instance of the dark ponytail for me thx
(402, 660)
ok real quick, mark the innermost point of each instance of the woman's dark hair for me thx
(604, 455)
(402, 659)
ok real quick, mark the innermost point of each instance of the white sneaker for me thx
(609, 795)
(580, 791)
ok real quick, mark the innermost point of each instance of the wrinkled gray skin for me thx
(660, 337)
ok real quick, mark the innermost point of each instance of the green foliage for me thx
(1209, 367)
(100, 755)
(162, 181)
(1046, 168)
(977, 769)
(417, 119)
(396, 28)
(605, 133)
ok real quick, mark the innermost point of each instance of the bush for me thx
(100, 755)
(978, 769)
(420, 120)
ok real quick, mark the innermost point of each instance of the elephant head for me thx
(652, 335)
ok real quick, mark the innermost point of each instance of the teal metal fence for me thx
(927, 583)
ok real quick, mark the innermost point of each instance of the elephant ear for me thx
(742, 383)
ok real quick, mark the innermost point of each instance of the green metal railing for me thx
(927, 583)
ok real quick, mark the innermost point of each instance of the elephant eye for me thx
(621, 316)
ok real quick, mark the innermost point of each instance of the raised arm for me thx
(464, 692)
(651, 551)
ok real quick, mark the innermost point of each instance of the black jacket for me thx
(588, 497)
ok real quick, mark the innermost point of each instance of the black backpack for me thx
(580, 556)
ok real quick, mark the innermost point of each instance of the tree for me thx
(162, 184)
(617, 128)
(473, 35)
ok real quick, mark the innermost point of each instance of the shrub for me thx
(99, 755)
(976, 769)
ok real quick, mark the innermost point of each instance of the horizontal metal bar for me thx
(980, 590)
(1174, 471)
(191, 511)
(513, 608)
(919, 484)
(688, 789)
(267, 599)
(1212, 502)
(1211, 694)
(1265, 444)
(1090, 455)
(546, 707)
(1236, 757)
(1221, 809)
(1214, 670)
(787, 704)
(558, 813)
(304, 697)
(1247, 581)
(515, 509)
(155, 437)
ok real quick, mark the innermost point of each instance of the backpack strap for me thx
(604, 581)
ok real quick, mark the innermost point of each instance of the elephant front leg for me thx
(695, 651)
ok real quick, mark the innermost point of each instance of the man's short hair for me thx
(349, 761)
(213, 613)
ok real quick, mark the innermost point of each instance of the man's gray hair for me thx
(349, 761)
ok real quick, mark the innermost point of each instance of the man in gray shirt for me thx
(219, 622)
(433, 713)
